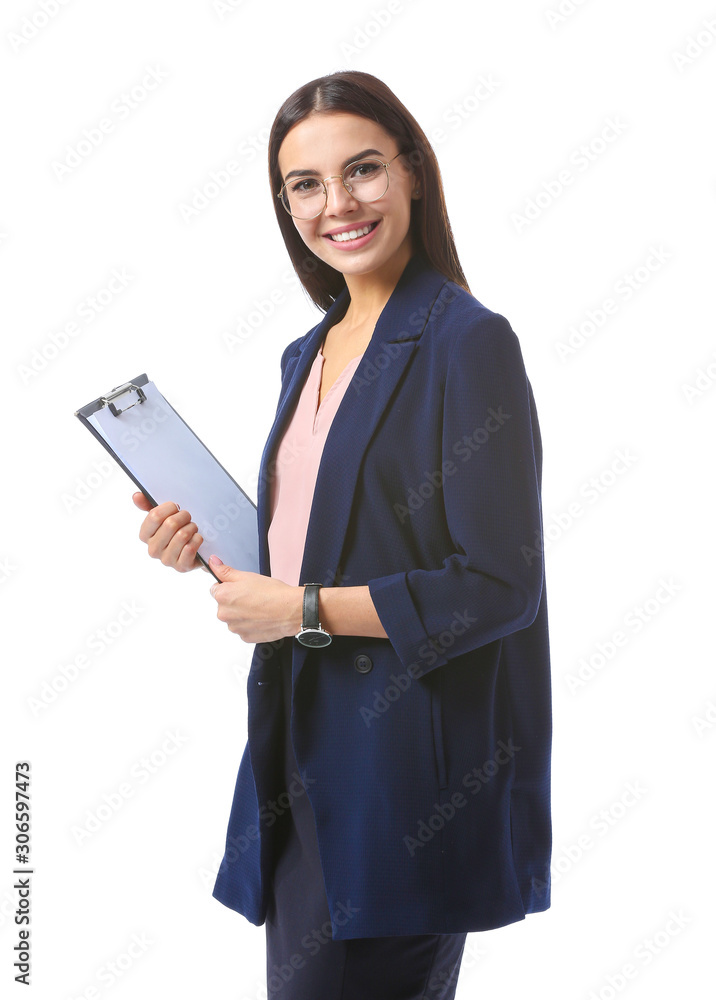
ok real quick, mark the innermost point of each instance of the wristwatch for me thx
(311, 633)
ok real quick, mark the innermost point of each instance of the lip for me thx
(347, 229)
(353, 244)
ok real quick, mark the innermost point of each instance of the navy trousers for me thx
(303, 962)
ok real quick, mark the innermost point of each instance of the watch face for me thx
(314, 637)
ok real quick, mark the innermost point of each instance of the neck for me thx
(370, 292)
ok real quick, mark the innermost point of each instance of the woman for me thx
(394, 792)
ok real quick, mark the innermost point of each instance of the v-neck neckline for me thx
(318, 406)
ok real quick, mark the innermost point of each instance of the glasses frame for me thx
(363, 159)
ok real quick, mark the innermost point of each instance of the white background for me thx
(642, 211)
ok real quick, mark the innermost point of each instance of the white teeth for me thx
(353, 234)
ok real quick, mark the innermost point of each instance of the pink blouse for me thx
(297, 459)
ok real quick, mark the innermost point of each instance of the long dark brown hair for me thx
(363, 94)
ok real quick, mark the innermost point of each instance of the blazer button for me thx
(363, 663)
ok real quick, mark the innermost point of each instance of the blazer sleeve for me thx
(491, 585)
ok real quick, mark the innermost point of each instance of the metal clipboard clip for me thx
(120, 391)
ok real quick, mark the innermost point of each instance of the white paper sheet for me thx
(171, 463)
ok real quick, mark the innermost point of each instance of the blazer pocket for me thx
(437, 725)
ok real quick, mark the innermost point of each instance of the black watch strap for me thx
(312, 634)
(310, 605)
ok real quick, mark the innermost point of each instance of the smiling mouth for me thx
(353, 234)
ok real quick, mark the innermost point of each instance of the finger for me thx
(186, 554)
(188, 558)
(162, 521)
(170, 535)
(180, 551)
(141, 501)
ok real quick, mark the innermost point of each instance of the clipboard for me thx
(166, 460)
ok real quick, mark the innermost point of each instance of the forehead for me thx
(330, 136)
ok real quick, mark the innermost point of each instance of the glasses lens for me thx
(304, 197)
(367, 180)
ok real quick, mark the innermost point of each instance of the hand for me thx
(255, 607)
(170, 534)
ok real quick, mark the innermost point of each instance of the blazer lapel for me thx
(297, 369)
(394, 340)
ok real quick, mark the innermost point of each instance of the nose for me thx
(338, 198)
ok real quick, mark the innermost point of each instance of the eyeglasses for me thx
(365, 180)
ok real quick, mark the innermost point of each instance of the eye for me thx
(304, 186)
(363, 170)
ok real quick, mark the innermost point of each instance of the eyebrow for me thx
(351, 159)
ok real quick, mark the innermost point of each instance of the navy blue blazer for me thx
(426, 754)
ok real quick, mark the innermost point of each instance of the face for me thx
(323, 144)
